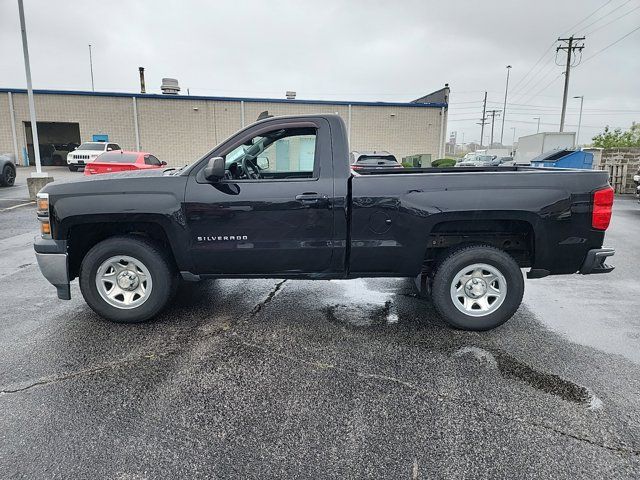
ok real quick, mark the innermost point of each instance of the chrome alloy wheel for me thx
(478, 290)
(123, 282)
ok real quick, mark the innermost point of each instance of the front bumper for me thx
(594, 262)
(53, 262)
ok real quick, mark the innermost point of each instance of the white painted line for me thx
(17, 206)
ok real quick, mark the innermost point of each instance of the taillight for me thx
(356, 167)
(602, 207)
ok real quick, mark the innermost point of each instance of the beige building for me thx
(180, 129)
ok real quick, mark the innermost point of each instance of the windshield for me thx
(92, 146)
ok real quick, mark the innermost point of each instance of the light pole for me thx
(32, 107)
(537, 118)
(504, 107)
(581, 97)
(513, 141)
(91, 68)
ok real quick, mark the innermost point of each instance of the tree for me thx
(617, 138)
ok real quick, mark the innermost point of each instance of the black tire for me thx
(73, 168)
(163, 275)
(8, 176)
(462, 258)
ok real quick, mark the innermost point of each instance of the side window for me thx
(151, 160)
(114, 146)
(280, 154)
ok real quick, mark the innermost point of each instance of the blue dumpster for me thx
(564, 159)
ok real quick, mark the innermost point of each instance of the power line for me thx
(568, 30)
(605, 15)
(610, 45)
(525, 93)
(553, 80)
(612, 21)
(551, 46)
(526, 75)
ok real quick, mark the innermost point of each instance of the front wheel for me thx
(73, 168)
(127, 279)
(477, 288)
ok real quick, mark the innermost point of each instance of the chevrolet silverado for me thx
(278, 200)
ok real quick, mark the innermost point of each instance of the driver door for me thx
(272, 214)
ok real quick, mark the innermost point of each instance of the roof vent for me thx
(290, 95)
(170, 86)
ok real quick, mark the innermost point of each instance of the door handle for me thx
(310, 197)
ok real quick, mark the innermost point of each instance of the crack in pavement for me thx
(112, 365)
(270, 296)
(439, 396)
(87, 371)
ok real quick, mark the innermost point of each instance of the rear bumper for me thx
(594, 261)
(53, 262)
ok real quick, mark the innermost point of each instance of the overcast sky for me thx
(387, 50)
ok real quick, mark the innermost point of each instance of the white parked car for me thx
(87, 153)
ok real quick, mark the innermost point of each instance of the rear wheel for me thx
(127, 279)
(8, 176)
(477, 288)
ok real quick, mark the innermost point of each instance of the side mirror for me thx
(263, 163)
(214, 170)
(163, 163)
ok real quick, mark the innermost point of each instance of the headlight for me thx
(42, 209)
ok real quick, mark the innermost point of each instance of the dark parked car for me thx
(7, 171)
(373, 161)
(462, 233)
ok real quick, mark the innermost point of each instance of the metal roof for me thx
(227, 99)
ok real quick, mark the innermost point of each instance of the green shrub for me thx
(443, 163)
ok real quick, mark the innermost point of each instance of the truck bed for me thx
(410, 208)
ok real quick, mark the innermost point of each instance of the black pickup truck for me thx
(278, 199)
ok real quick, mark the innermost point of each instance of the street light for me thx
(537, 118)
(91, 68)
(32, 107)
(504, 107)
(581, 97)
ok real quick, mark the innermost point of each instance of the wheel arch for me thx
(512, 232)
(81, 236)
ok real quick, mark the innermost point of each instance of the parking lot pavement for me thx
(18, 195)
(324, 379)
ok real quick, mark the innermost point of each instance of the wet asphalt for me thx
(320, 379)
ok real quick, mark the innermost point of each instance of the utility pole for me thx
(493, 114)
(537, 118)
(504, 107)
(569, 47)
(91, 68)
(483, 120)
(581, 97)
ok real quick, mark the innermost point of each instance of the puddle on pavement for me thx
(360, 305)
(512, 368)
